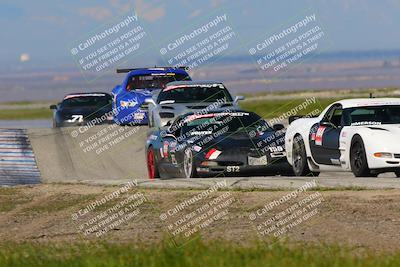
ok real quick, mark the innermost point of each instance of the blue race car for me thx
(140, 84)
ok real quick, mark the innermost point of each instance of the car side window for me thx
(334, 115)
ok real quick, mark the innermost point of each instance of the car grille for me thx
(397, 156)
(196, 107)
(167, 107)
(166, 115)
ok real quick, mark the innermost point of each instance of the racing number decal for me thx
(233, 168)
(75, 118)
(318, 135)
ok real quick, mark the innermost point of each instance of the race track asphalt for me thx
(114, 155)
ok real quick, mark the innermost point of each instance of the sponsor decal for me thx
(360, 123)
(335, 161)
(165, 149)
(318, 135)
(130, 103)
(172, 87)
(197, 148)
(275, 149)
(138, 116)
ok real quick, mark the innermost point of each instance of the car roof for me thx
(361, 102)
(192, 83)
(72, 95)
(146, 71)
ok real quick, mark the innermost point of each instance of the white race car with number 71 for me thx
(357, 135)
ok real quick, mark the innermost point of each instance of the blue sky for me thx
(44, 29)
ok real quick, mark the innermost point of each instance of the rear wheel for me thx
(358, 159)
(300, 165)
(152, 164)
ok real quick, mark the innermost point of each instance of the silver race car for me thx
(181, 97)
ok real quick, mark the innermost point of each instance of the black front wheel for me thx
(358, 159)
(300, 164)
(188, 167)
(397, 173)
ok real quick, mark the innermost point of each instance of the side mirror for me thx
(278, 127)
(238, 98)
(53, 106)
(150, 101)
(170, 135)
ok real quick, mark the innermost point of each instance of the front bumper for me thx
(384, 163)
(276, 166)
(83, 123)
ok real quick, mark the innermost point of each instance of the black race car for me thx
(230, 142)
(83, 109)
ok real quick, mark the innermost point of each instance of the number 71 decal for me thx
(75, 118)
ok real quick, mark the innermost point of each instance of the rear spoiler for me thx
(155, 67)
(296, 117)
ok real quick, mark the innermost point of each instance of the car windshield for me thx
(87, 101)
(153, 81)
(195, 94)
(374, 115)
(230, 122)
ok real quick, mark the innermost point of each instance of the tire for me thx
(358, 159)
(55, 124)
(300, 165)
(188, 168)
(397, 173)
(152, 168)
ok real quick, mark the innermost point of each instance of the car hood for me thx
(382, 137)
(388, 128)
(182, 108)
(242, 140)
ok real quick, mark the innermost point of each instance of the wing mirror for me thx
(278, 127)
(53, 106)
(170, 135)
(238, 98)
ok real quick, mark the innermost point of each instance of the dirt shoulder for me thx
(45, 213)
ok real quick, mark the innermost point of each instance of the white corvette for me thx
(358, 135)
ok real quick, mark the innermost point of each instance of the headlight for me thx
(383, 155)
